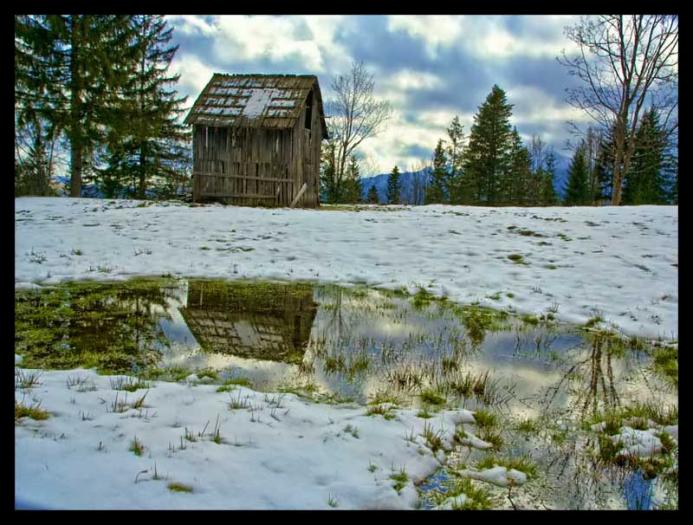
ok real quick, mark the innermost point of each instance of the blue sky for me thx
(430, 68)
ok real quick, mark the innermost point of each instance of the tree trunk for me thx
(75, 131)
(141, 189)
(76, 170)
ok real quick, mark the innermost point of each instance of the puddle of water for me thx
(355, 344)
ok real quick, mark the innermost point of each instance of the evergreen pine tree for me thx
(593, 140)
(75, 77)
(436, 191)
(548, 195)
(645, 182)
(394, 187)
(516, 181)
(352, 190)
(487, 156)
(577, 191)
(604, 167)
(373, 195)
(146, 139)
(329, 191)
(453, 182)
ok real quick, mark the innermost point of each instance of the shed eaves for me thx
(265, 101)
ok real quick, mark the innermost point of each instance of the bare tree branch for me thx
(625, 63)
(355, 114)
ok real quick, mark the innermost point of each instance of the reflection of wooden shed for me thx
(256, 140)
(253, 320)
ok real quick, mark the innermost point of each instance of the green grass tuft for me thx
(401, 479)
(136, 447)
(179, 487)
(32, 412)
(432, 397)
(485, 419)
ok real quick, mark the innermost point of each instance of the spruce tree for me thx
(548, 195)
(394, 187)
(146, 138)
(593, 140)
(453, 182)
(352, 190)
(604, 167)
(577, 191)
(436, 190)
(487, 157)
(329, 188)
(516, 181)
(373, 195)
(76, 77)
(644, 182)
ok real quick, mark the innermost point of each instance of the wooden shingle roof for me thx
(264, 101)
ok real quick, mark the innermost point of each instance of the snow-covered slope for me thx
(271, 451)
(619, 263)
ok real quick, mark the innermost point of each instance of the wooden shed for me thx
(256, 140)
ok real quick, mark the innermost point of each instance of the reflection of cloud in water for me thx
(258, 370)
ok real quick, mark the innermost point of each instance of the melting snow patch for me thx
(471, 440)
(672, 430)
(454, 502)
(640, 443)
(500, 476)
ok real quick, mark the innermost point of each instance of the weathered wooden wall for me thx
(257, 166)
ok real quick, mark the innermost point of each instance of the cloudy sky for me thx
(430, 68)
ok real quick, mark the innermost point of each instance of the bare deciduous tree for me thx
(354, 115)
(419, 181)
(625, 62)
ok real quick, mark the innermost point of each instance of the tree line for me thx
(650, 178)
(98, 88)
(493, 167)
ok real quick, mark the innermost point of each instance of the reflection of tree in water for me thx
(591, 388)
(590, 380)
(112, 326)
(269, 321)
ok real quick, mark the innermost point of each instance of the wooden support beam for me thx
(299, 195)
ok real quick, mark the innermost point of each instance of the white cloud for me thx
(194, 75)
(391, 146)
(308, 39)
(191, 24)
(406, 79)
(436, 30)
(532, 105)
(487, 37)
(441, 118)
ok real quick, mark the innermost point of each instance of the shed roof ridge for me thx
(263, 75)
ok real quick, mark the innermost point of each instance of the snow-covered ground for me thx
(278, 451)
(617, 262)
(274, 451)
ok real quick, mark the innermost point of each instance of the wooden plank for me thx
(239, 196)
(224, 176)
(300, 194)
